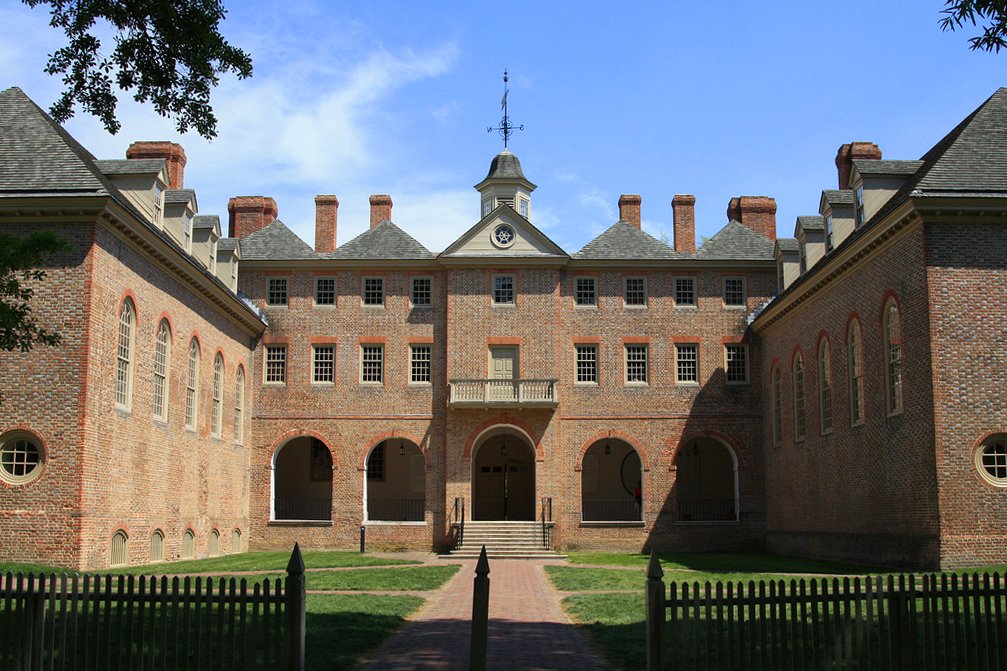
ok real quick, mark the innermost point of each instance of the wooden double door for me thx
(503, 480)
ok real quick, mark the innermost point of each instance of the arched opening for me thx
(302, 480)
(395, 482)
(706, 482)
(611, 483)
(503, 478)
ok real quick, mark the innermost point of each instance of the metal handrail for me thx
(546, 517)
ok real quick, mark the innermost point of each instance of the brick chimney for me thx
(850, 151)
(326, 209)
(172, 153)
(248, 214)
(629, 209)
(683, 207)
(756, 212)
(381, 209)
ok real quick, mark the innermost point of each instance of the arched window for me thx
(825, 385)
(118, 555)
(239, 405)
(157, 546)
(214, 543)
(798, 398)
(777, 408)
(236, 541)
(188, 544)
(395, 482)
(162, 364)
(124, 355)
(192, 385)
(855, 368)
(218, 385)
(893, 357)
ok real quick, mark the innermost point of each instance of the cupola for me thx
(505, 184)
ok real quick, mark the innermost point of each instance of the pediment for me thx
(504, 233)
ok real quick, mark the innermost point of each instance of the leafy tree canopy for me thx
(19, 261)
(991, 15)
(168, 54)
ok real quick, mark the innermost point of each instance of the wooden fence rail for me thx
(119, 623)
(901, 623)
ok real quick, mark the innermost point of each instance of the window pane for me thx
(372, 364)
(325, 291)
(503, 289)
(635, 291)
(734, 291)
(687, 363)
(585, 291)
(277, 291)
(737, 363)
(685, 291)
(324, 363)
(587, 363)
(419, 363)
(374, 291)
(421, 291)
(636, 363)
(276, 364)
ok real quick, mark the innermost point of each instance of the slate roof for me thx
(811, 223)
(736, 242)
(386, 241)
(625, 242)
(275, 242)
(886, 167)
(505, 165)
(205, 221)
(788, 245)
(228, 244)
(179, 196)
(130, 166)
(835, 197)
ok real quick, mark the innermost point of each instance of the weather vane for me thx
(506, 128)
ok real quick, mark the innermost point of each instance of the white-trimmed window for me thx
(893, 357)
(325, 291)
(188, 544)
(239, 405)
(192, 386)
(421, 292)
(276, 364)
(118, 555)
(187, 233)
(234, 274)
(798, 398)
(585, 292)
(158, 194)
(830, 236)
(587, 364)
(236, 541)
(162, 364)
(21, 458)
(991, 460)
(855, 368)
(372, 364)
(777, 407)
(687, 363)
(685, 291)
(858, 205)
(734, 292)
(636, 364)
(323, 364)
(372, 291)
(825, 385)
(276, 291)
(157, 546)
(217, 406)
(736, 363)
(420, 364)
(124, 355)
(635, 292)
(503, 290)
(213, 257)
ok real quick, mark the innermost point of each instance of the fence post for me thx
(897, 625)
(480, 613)
(294, 597)
(655, 615)
(35, 619)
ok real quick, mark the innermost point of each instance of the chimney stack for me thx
(850, 151)
(629, 209)
(381, 209)
(756, 212)
(248, 214)
(683, 207)
(171, 152)
(326, 209)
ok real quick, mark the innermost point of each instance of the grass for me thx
(343, 627)
(615, 622)
(413, 578)
(724, 562)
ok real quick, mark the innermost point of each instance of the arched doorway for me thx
(611, 483)
(302, 480)
(503, 478)
(706, 484)
(395, 482)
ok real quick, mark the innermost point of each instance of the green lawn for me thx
(723, 562)
(398, 578)
(343, 627)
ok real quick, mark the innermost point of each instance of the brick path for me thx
(528, 631)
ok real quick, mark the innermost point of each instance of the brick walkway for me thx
(528, 631)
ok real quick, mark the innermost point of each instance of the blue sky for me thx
(656, 98)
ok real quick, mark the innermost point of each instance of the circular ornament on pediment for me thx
(503, 236)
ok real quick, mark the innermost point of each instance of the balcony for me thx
(503, 393)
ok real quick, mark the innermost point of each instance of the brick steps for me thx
(503, 540)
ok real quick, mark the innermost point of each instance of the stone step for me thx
(493, 554)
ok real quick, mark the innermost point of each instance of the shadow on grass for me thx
(341, 628)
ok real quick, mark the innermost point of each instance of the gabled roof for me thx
(275, 242)
(386, 241)
(809, 223)
(229, 245)
(867, 166)
(787, 245)
(523, 228)
(179, 197)
(209, 221)
(736, 242)
(625, 242)
(835, 197)
(131, 166)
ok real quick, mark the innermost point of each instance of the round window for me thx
(21, 458)
(991, 460)
(503, 236)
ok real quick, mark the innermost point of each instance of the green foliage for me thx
(991, 14)
(19, 261)
(168, 54)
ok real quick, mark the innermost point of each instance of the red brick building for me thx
(636, 394)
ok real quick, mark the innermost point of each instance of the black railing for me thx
(396, 510)
(546, 519)
(707, 510)
(458, 519)
(611, 510)
(302, 508)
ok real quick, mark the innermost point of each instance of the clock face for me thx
(503, 236)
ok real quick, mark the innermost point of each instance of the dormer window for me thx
(158, 204)
(804, 258)
(187, 232)
(858, 201)
(829, 238)
(213, 256)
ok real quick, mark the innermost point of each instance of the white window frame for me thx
(373, 297)
(592, 292)
(800, 420)
(743, 349)
(858, 206)
(855, 371)
(335, 293)
(125, 354)
(830, 234)
(825, 398)
(586, 360)
(498, 292)
(162, 370)
(274, 360)
(192, 386)
(316, 361)
(635, 349)
(158, 193)
(642, 291)
(376, 352)
(217, 403)
(894, 367)
(990, 459)
(419, 366)
(239, 405)
(429, 291)
(187, 232)
(744, 292)
(213, 257)
(271, 293)
(680, 359)
(690, 279)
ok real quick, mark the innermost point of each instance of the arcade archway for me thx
(503, 477)
(302, 480)
(706, 482)
(611, 483)
(395, 482)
